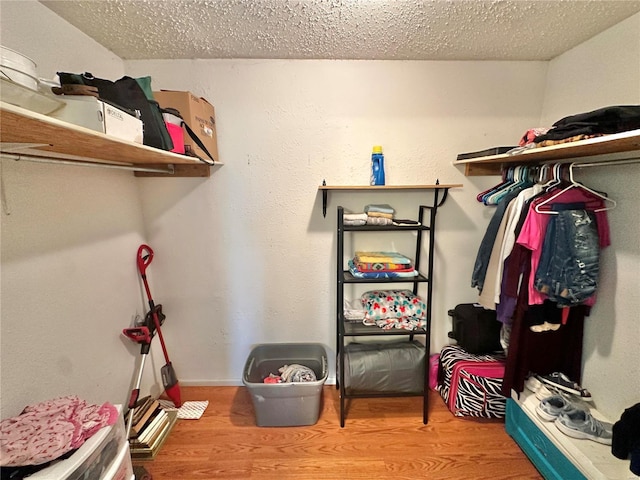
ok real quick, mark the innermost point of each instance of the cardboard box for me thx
(89, 112)
(198, 114)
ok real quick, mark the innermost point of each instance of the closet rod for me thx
(37, 159)
(626, 161)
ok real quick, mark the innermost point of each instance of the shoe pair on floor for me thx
(557, 382)
(574, 421)
(563, 402)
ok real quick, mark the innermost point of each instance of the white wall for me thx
(69, 237)
(243, 257)
(606, 71)
(249, 257)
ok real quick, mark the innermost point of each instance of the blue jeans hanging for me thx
(569, 266)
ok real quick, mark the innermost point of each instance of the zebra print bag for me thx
(470, 384)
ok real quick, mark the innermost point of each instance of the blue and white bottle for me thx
(377, 166)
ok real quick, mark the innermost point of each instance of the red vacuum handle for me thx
(144, 259)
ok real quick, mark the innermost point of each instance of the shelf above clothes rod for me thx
(604, 149)
(31, 134)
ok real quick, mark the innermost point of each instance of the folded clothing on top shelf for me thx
(355, 219)
(382, 267)
(379, 208)
(401, 222)
(353, 269)
(381, 257)
(379, 221)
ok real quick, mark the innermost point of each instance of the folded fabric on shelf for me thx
(358, 274)
(380, 215)
(404, 323)
(401, 222)
(380, 207)
(382, 257)
(383, 267)
(355, 216)
(355, 219)
(354, 223)
(353, 310)
(379, 221)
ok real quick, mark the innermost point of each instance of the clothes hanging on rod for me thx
(574, 212)
(507, 190)
(541, 252)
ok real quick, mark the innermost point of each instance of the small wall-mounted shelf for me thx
(31, 135)
(326, 188)
(614, 147)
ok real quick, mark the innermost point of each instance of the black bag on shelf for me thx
(130, 94)
(475, 329)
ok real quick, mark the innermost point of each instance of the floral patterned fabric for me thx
(394, 309)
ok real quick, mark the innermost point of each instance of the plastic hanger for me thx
(502, 183)
(521, 181)
(574, 184)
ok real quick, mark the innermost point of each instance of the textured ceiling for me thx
(343, 29)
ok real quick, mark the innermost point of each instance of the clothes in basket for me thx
(470, 384)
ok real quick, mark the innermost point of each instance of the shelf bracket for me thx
(324, 199)
(445, 192)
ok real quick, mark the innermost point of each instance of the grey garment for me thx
(297, 373)
(484, 252)
(569, 265)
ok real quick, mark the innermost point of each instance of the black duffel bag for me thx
(475, 329)
(130, 94)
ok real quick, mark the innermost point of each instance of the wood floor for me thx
(382, 439)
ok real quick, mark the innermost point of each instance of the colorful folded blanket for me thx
(382, 267)
(358, 274)
(382, 257)
(404, 323)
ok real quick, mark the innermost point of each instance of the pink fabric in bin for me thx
(175, 131)
(48, 430)
(433, 370)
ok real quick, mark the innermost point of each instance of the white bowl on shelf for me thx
(18, 68)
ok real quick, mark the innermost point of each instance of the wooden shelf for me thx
(325, 189)
(617, 146)
(31, 134)
(388, 187)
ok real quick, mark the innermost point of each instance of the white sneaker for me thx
(541, 390)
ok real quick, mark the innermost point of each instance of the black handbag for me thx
(475, 329)
(130, 94)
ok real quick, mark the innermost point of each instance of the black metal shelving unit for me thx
(346, 330)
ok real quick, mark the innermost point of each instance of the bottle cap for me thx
(377, 149)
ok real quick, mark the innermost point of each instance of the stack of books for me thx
(150, 427)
